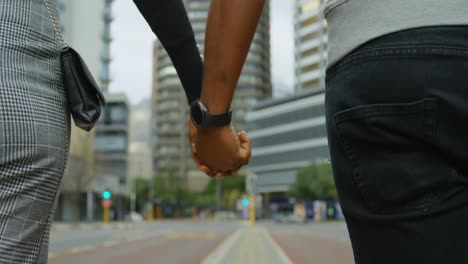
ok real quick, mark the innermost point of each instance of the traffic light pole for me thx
(252, 203)
(106, 215)
(218, 194)
(151, 198)
(106, 204)
(252, 209)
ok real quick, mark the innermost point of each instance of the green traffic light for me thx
(245, 202)
(106, 194)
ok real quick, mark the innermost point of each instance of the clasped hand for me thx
(219, 151)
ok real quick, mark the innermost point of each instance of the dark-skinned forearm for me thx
(229, 34)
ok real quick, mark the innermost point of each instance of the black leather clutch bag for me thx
(85, 100)
(84, 97)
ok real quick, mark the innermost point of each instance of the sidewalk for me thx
(249, 245)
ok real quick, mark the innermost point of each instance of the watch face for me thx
(197, 115)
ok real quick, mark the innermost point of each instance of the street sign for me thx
(106, 203)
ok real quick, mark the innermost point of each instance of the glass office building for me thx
(287, 134)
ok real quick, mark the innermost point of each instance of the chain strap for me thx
(56, 27)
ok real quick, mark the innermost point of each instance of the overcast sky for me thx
(131, 68)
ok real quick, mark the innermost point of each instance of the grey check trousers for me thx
(34, 130)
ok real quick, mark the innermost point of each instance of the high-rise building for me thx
(310, 44)
(105, 48)
(170, 109)
(111, 152)
(140, 159)
(85, 26)
(140, 122)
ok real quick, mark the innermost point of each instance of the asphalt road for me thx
(192, 242)
(161, 242)
(318, 243)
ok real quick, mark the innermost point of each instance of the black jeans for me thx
(397, 120)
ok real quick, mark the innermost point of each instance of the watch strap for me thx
(218, 120)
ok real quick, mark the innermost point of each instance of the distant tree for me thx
(142, 189)
(204, 200)
(314, 182)
(230, 198)
(168, 188)
(142, 192)
(232, 189)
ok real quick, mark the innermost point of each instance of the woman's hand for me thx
(219, 151)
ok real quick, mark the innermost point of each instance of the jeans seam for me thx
(384, 109)
(355, 162)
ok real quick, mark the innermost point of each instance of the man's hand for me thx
(220, 151)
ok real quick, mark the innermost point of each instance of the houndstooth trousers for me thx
(34, 129)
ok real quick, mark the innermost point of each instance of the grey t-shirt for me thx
(352, 23)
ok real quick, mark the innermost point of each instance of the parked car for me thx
(225, 216)
(134, 217)
(296, 219)
(280, 217)
(288, 218)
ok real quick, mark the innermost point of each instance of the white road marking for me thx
(220, 252)
(283, 257)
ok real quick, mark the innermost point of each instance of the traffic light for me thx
(245, 202)
(106, 194)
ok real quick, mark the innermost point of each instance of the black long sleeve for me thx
(169, 21)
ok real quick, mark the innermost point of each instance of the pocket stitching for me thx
(385, 109)
(424, 106)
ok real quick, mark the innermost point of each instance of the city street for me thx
(202, 242)
(325, 243)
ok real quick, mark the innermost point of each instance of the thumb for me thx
(245, 147)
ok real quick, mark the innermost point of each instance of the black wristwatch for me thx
(202, 118)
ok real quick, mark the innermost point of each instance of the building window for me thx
(320, 152)
(312, 5)
(168, 70)
(198, 14)
(105, 71)
(118, 114)
(110, 142)
(289, 117)
(290, 136)
(115, 114)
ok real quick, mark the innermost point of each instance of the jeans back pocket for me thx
(394, 167)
